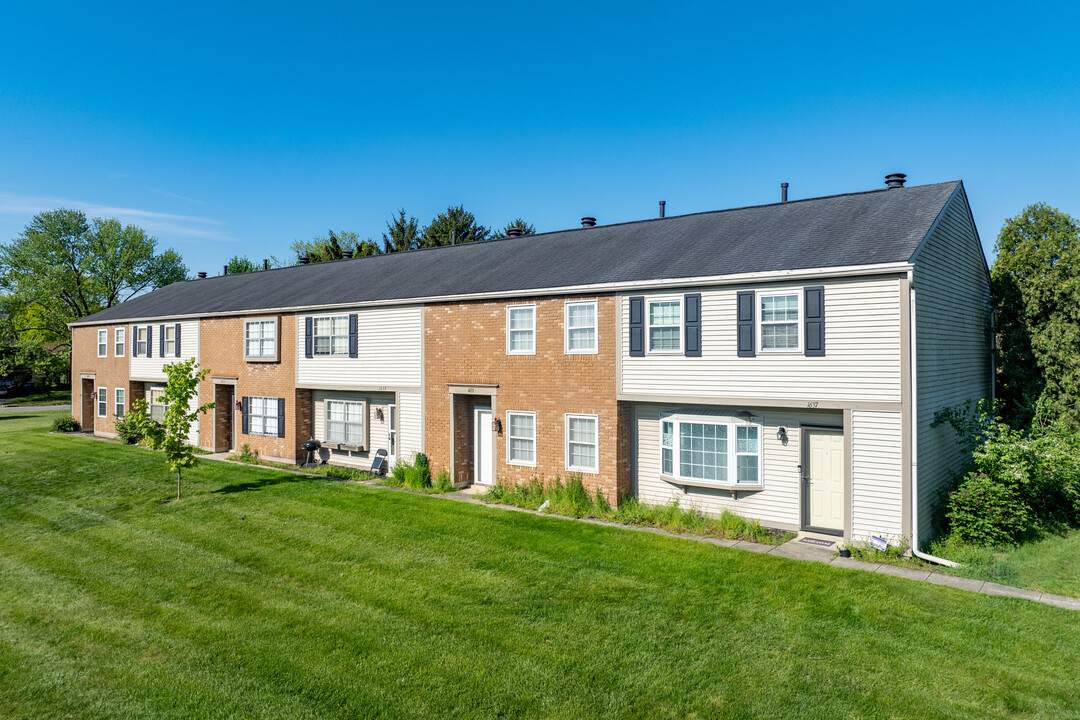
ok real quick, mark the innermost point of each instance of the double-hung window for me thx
(142, 340)
(710, 451)
(170, 341)
(118, 411)
(157, 403)
(581, 327)
(260, 339)
(102, 343)
(120, 338)
(345, 422)
(102, 402)
(582, 451)
(263, 416)
(780, 326)
(664, 319)
(331, 336)
(521, 330)
(521, 443)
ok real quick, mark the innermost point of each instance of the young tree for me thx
(526, 228)
(331, 247)
(239, 265)
(171, 434)
(1036, 285)
(401, 234)
(456, 225)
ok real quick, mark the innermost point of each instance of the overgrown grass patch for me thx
(571, 499)
(416, 476)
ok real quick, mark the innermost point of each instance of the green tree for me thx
(456, 225)
(239, 265)
(526, 228)
(401, 234)
(1036, 285)
(333, 246)
(171, 434)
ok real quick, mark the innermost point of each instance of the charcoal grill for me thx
(312, 447)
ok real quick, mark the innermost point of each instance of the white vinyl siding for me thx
(582, 443)
(102, 343)
(345, 422)
(120, 337)
(862, 345)
(876, 474)
(777, 500)
(779, 322)
(389, 352)
(102, 402)
(260, 339)
(118, 410)
(521, 330)
(152, 368)
(952, 318)
(263, 416)
(663, 318)
(377, 433)
(521, 438)
(410, 428)
(581, 327)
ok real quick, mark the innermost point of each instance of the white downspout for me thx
(915, 446)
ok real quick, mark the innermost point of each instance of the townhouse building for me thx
(782, 361)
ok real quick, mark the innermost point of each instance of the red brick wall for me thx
(111, 372)
(221, 350)
(465, 343)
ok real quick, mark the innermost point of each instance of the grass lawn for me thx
(1050, 564)
(265, 594)
(56, 397)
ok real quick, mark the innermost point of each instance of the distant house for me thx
(783, 361)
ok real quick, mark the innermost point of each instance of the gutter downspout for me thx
(915, 448)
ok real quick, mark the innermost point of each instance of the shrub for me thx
(129, 429)
(246, 456)
(417, 476)
(443, 483)
(65, 424)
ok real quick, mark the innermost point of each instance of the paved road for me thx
(21, 408)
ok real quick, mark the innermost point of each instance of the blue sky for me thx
(236, 128)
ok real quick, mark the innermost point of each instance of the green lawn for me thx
(1050, 564)
(56, 397)
(265, 594)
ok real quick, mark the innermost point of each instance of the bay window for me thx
(710, 451)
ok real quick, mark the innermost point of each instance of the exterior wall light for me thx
(496, 426)
(781, 434)
(378, 414)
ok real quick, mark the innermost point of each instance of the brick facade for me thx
(109, 372)
(465, 344)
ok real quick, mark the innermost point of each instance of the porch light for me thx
(239, 405)
(496, 425)
(379, 414)
(781, 434)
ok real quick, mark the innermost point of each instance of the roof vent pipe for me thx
(346, 254)
(783, 192)
(453, 237)
(202, 275)
(303, 260)
(588, 222)
(513, 232)
(895, 180)
(663, 204)
(266, 264)
(225, 271)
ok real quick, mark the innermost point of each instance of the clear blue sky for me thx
(233, 129)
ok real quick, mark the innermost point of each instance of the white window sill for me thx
(261, 358)
(590, 471)
(521, 352)
(691, 482)
(582, 352)
(521, 463)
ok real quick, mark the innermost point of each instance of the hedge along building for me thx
(784, 361)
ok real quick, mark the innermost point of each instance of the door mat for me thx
(815, 541)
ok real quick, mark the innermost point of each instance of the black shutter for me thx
(149, 341)
(244, 418)
(814, 307)
(281, 417)
(745, 322)
(352, 336)
(307, 337)
(692, 324)
(135, 341)
(177, 339)
(637, 326)
(161, 341)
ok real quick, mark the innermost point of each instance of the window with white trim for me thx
(664, 320)
(142, 340)
(170, 340)
(118, 410)
(582, 452)
(581, 327)
(260, 339)
(710, 450)
(521, 438)
(102, 402)
(157, 403)
(780, 329)
(330, 336)
(120, 340)
(263, 416)
(345, 422)
(521, 330)
(102, 343)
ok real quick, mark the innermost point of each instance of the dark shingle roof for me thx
(877, 226)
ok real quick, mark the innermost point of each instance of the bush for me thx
(983, 511)
(65, 424)
(130, 430)
(417, 476)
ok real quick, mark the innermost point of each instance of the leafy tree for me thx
(456, 225)
(332, 247)
(63, 268)
(171, 434)
(526, 228)
(1036, 286)
(239, 265)
(48, 364)
(401, 234)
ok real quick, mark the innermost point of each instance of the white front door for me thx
(482, 435)
(825, 479)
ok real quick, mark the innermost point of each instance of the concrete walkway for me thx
(32, 408)
(806, 547)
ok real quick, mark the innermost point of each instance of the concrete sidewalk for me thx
(32, 408)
